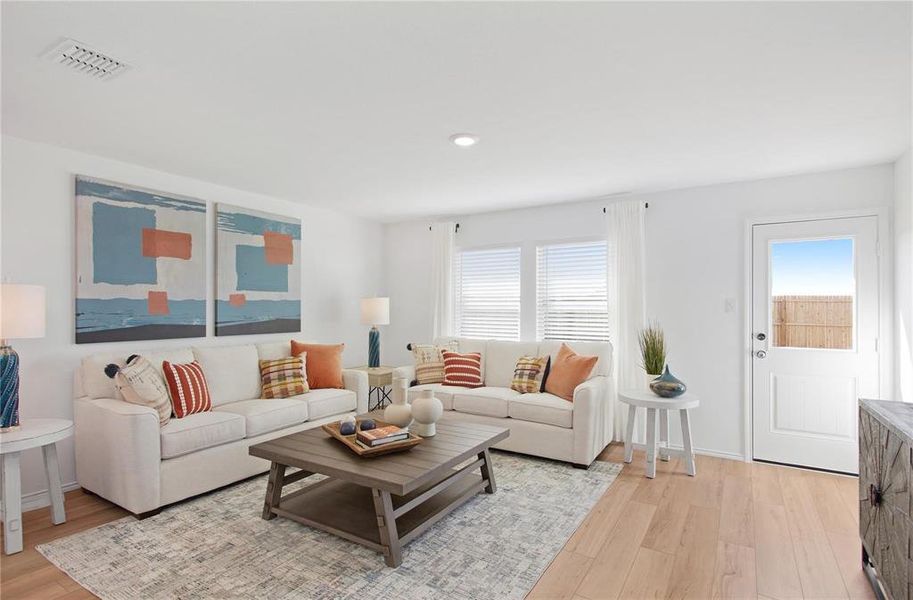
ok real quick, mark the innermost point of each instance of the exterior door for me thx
(814, 341)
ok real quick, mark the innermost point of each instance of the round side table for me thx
(32, 433)
(652, 403)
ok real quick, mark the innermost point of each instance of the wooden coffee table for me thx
(383, 502)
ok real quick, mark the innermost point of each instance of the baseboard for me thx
(37, 500)
(703, 451)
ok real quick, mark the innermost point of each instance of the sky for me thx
(812, 268)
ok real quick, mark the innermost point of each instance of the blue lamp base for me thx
(9, 388)
(374, 347)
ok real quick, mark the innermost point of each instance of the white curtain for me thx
(442, 242)
(627, 297)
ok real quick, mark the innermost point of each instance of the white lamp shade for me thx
(22, 311)
(375, 311)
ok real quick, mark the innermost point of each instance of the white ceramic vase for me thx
(426, 410)
(399, 413)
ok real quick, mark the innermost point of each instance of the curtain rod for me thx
(457, 228)
(646, 205)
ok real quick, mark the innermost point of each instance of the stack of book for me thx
(372, 438)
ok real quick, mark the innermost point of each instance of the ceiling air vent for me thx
(82, 59)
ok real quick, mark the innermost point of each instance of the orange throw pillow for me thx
(322, 365)
(569, 370)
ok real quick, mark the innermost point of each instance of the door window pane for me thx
(813, 288)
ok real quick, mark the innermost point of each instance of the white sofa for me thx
(124, 456)
(540, 424)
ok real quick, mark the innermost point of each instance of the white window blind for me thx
(487, 293)
(571, 298)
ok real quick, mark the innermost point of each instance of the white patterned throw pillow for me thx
(429, 362)
(139, 382)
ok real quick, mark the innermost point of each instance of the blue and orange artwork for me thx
(141, 264)
(258, 272)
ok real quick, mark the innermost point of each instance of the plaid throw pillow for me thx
(464, 370)
(283, 377)
(429, 362)
(529, 373)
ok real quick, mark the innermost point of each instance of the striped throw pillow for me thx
(187, 388)
(429, 362)
(528, 374)
(283, 378)
(464, 370)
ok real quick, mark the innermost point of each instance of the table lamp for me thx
(374, 312)
(22, 315)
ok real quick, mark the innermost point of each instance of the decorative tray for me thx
(351, 444)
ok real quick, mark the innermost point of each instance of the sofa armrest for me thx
(407, 373)
(357, 381)
(118, 452)
(591, 408)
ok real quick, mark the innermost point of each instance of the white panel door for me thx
(814, 338)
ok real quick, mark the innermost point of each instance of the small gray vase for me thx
(667, 385)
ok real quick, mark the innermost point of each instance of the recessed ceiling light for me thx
(464, 140)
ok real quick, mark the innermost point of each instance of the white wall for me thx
(695, 261)
(903, 277)
(340, 254)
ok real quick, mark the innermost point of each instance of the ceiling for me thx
(350, 106)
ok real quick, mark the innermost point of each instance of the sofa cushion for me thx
(487, 401)
(542, 408)
(199, 431)
(601, 350)
(262, 416)
(274, 350)
(442, 392)
(95, 384)
(501, 361)
(327, 402)
(232, 372)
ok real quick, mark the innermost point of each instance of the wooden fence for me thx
(813, 321)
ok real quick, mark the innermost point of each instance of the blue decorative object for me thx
(367, 424)
(667, 385)
(347, 428)
(9, 388)
(374, 347)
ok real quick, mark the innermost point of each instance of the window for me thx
(813, 291)
(571, 298)
(487, 293)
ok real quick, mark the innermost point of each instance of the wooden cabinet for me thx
(885, 499)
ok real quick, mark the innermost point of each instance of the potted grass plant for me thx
(652, 351)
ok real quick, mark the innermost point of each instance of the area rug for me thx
(217, 546)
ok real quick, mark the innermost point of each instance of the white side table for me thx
(32, 433)
(646, 399)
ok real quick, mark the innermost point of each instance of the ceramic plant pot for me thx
(667, 385)
(426, 410)
(650, 378)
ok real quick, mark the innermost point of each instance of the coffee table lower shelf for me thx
(371, 517)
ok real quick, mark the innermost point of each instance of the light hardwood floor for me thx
(737, 530)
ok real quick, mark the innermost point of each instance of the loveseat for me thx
(540, 424)
(124, 456)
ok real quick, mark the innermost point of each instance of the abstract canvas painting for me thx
(140, 264)
(258, 272)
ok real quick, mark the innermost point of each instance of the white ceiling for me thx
(350, 106)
